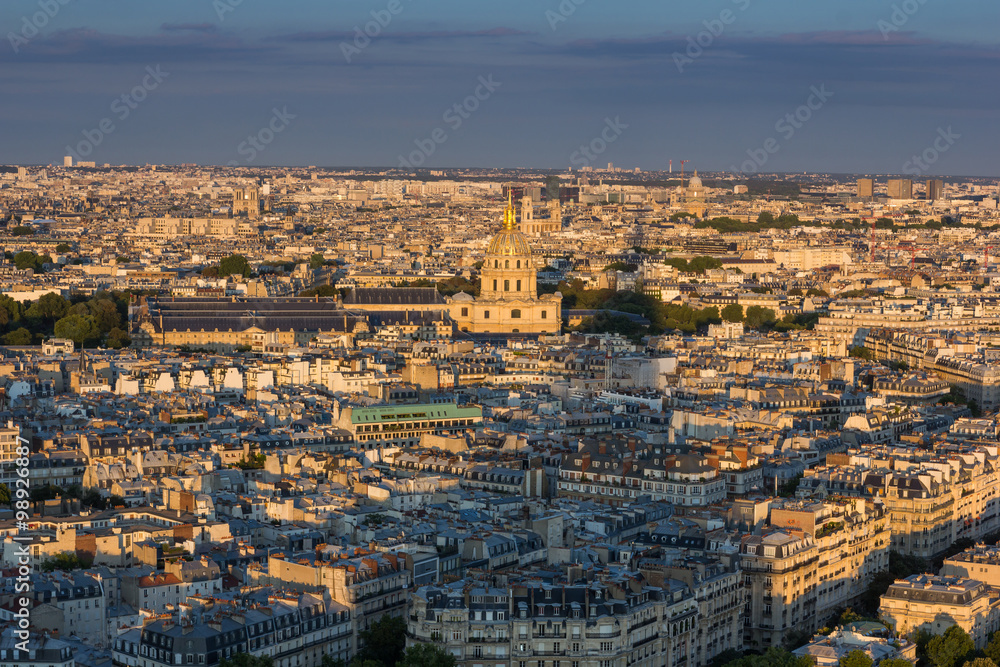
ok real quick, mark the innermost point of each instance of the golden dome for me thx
(509, 241)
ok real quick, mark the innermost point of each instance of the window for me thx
(545, 314)
(506, 264)
(518, 285)
(486, 314)
(515, 314)
(494, 285)
(506, 286)
(465, 312)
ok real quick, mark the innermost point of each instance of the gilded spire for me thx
(509, 216)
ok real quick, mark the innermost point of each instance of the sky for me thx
(850, 86)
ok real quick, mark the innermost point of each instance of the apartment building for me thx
(717, 586)
(814, 559)
(382, 426)
(80, 597)
(535, 624)
(291, 629)
(981, 562)
(935, 603)
(368, 584)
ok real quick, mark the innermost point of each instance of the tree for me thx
(812, 291)
(795, 291)
(65, 561)
(105, 314)
(978, 662)
(732, 313)
(895, 662)
(26, 259)
(757, 317)
(773, 657)
(93, 498)
(78, 328)
(861, 352)
(765, 218)
(950, 649)
(992, 649)
(22, 230)
(20, 336)
(856, 658)
(63, 248)
(426, 655)
(14, 309)
(49, 308)
(118, 339)
(384, 641)
(4, 494)
(234, 265)
(247, 660)
(316, 261)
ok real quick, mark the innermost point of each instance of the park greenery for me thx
(97, 320)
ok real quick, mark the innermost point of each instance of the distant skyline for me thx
(539, 84)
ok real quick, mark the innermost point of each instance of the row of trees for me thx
(88, 498)
(89, 322)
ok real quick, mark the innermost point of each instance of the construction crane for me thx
(683, 162)
(909, 248)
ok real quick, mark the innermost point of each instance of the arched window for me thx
(496, 263)
(506, 264)
(506, 286)
(519, 264)
(515, 314)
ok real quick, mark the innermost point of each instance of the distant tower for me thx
(866, 187)
(935, 189)
(900, 188)
(527, 213)
(68, 161)
(246, 202)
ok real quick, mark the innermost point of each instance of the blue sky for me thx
(897, 73)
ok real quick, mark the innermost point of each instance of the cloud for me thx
(88, 46)
(410, 36)
(189, 27)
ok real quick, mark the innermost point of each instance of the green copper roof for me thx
(418, 412)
